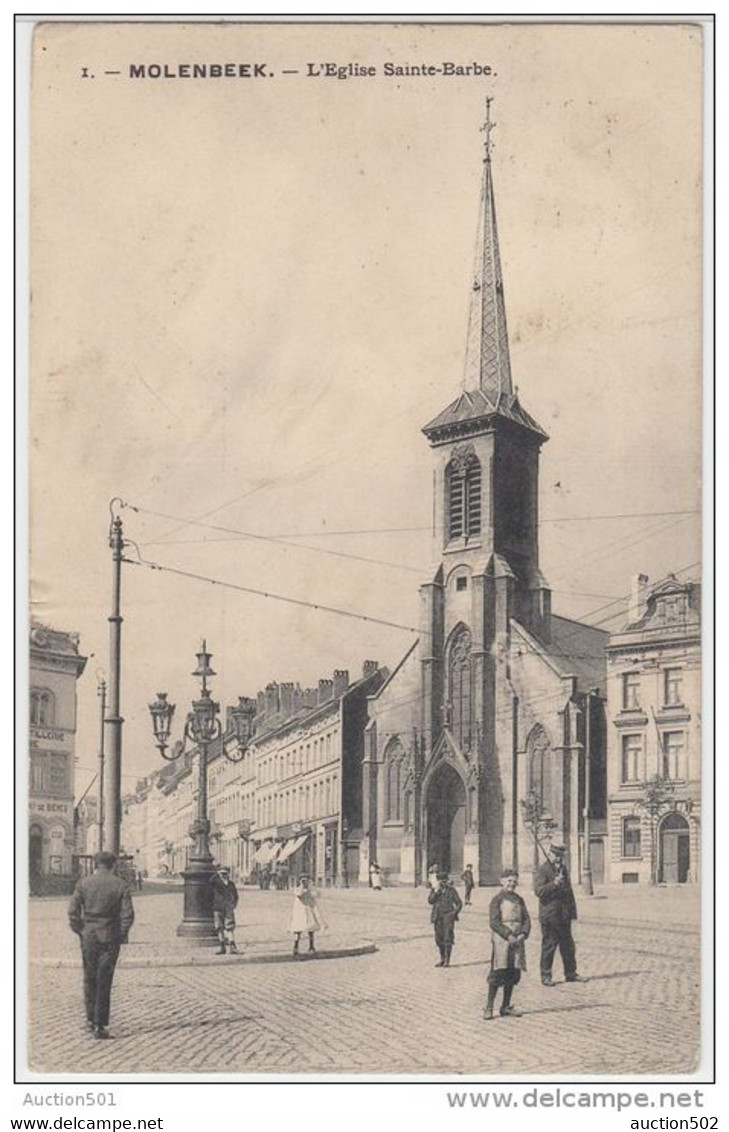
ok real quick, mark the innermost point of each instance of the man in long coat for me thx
(510, 927)
(446, 905)
(101, 914)
(557, 910)
(225, 902)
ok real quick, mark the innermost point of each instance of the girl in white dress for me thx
(305, 914)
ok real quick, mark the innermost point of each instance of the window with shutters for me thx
(463, 496)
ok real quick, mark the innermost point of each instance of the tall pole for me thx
(114, 721)
(587, 886)
(102, 724)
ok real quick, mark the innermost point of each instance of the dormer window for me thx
(463, 496)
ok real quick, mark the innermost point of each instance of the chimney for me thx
(306, 697)
(369, 668)
(638, 593)
(324, 692)
(287, 700)
(261, 705)
(340, 682)
(271, 699)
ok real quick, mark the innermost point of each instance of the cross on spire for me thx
(487, 127)
(487, 363)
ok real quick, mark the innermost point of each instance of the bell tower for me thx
(486, 454)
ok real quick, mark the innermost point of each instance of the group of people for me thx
(101, 914)
(510, 925)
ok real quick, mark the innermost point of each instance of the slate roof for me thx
(474, 408)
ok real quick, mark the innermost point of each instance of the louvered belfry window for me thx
(463, 495)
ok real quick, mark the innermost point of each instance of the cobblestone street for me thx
(387, 1011)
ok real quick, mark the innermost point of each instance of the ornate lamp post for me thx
(202, 727)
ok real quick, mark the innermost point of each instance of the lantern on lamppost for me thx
(202, 727)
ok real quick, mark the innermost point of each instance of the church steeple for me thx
(488, 389)
(486, 456)
(488, 366)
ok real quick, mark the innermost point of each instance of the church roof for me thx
(471, 411)
(488, 390)
(574, 649)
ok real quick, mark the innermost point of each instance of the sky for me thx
(249, 296)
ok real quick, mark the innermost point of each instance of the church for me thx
(491, 727)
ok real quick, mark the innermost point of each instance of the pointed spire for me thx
(487, 348)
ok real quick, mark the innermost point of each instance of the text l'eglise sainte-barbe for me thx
(310, 70)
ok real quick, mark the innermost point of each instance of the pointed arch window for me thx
(539, 763)
(463, 495)
(459, 671)
(394, 779)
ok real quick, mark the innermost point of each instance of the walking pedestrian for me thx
(101, 914)
(468, 882)
(510, 927)
(225, 902)
(433, 875)
(446, 906)
(376, 877)
(557, 910)
(305, 914)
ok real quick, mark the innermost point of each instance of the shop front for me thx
(297, 856)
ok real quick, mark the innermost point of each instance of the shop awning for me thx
(292, 847)
(265, 854)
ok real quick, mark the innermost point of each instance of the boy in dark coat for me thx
(468, 882)
(557, 910)
(446, 905)
(101, 914)
(225, 902)
(510, 927)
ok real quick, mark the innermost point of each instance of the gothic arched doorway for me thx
(445, 812)
(675, 850)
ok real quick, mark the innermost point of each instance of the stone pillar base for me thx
(471, 855)
(407, 864)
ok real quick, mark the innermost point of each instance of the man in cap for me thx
(225, 902)
(101, 914)
(446, 905)
(510, 927)
(557, 910)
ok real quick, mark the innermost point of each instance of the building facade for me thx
(55, 666)
(485, 716)
(654, 761)
(291, 805)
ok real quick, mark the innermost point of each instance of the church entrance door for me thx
(446, 820)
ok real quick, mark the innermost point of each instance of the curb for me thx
(203, 958)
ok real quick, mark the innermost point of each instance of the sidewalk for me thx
(154, 943)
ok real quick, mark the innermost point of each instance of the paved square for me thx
(381, 1013)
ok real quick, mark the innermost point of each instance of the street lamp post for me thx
(202, 727)
(587, 885)
(101, 691)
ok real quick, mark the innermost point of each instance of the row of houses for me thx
(291, 805)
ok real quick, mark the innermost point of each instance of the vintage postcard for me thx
(365, 712)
